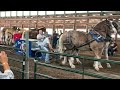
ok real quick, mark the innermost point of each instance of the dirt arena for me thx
(114, 72)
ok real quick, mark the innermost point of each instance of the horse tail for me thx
(60, 45)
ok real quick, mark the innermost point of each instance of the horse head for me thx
(14, 27)
(43, 29)
(114, 26)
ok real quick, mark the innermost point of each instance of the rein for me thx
(84, 44)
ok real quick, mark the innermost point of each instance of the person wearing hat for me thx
(46, 46)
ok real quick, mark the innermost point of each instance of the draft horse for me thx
(97, 39)
(7, 35)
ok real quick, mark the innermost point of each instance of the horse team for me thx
(98, 40)
(71, 41)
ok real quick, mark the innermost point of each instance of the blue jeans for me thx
(47, 54)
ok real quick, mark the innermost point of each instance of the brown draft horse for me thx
(73, 40)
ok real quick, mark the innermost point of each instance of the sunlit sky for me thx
(32, 13)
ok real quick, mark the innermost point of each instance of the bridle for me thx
(112, 27)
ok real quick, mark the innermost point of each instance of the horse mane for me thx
(115, 25)
(43, 29)
(37, 29)
(100, 25)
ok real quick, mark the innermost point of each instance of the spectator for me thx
(8, 74)
(112, 48)
(17, 35)
(40, 36)
(55, 38)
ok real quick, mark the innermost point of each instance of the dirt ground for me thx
(60, 74)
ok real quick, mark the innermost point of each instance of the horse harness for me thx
(73, 47)
(68, 42)
(95, 35)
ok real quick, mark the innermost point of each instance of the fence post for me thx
(23, 66)
(27, 56)
(83, 68)
(35, 68)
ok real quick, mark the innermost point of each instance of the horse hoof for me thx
(73, 66)
(79, 62)
(63, 63)
(100, 66)
(108, 65)
(96, 68)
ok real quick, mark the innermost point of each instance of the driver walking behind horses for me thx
(44, 43)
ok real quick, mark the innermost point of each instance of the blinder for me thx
(68, 42)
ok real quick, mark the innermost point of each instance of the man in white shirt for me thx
(7, 74)
(40, 36)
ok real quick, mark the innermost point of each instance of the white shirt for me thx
(44, 43)
(8, 74)
(40, 37)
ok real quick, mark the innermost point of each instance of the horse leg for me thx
(97, 64)
(106, 54)
(60, 46)
(6, 39)
(99, 57)
(61, 51)
(71, 61)
(3, 39)
(64, 61)
(77, 59)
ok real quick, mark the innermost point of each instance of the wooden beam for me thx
(65, 18)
